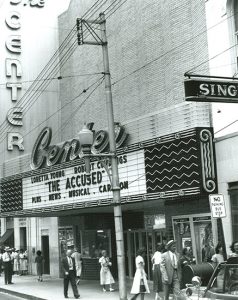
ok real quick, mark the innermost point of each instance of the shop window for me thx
(94, 241)
(182, 232)
(195, 233)
(66, 239)
(233, 192)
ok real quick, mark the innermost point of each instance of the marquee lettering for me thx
(12, 20)
(44, 154)
(13, 44)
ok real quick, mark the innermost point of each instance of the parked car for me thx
(223, 284)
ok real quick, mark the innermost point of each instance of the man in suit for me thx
(68, 264)
(7, 264)
(170, 270)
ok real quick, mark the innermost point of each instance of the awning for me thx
(6, 236)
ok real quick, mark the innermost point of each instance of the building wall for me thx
(38, 227)
(39, 41)
(227, 166)
(151, 45)
(222, 48)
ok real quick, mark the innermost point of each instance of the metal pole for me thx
(115, 177)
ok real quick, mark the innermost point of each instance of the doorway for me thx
(136, 239)
(45, 254)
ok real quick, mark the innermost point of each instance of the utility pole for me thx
(111, 132)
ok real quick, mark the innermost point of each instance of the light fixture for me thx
(86, 141)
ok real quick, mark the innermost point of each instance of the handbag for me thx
(142, 286)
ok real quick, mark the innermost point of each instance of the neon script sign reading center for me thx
(46, 155)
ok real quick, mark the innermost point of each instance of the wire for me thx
(226, 126)
(66, 104)
(54, 78)
(80, 105)
(174, 48)
(97, 5)
(100, 80)
(206, 61)
(36, 93)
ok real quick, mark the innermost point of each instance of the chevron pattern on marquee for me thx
(11, 195)
(173, 165)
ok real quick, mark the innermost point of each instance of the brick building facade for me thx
(151, 45)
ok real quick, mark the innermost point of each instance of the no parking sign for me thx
(217, 205)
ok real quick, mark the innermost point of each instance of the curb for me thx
(20, 295)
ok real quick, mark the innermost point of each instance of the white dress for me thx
(105, 273)
(78, 263)
(139, 274)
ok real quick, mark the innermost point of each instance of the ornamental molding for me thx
(207, 160)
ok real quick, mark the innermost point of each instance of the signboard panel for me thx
(217, 205)
(72, 185)
(211, 91)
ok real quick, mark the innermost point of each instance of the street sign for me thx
(201, 90)
(217, 205)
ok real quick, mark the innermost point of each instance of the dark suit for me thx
(70, 276)
(170, 274)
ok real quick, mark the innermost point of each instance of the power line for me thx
(206, 61)
(226, 126)
(55, 78)
(174, 48)
(80, 105)
(66, 104)
(38, 92)
(99, 81)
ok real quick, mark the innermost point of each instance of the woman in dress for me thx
(234, 249)
(218, 256)
(156, 260)
(16, 262)
(78, 264)
(39, 265)
(105, 273)
(140, 284)
(21, 262)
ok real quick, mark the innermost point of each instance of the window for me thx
(94, 241)
(233, 192)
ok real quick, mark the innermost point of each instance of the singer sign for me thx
(211, 91)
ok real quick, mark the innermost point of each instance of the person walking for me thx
(106, 277)
(140, 284)
(68, 265)
(78, 264)
(39, 265)
(234, 249)
(7, 265)
(170, 270)
(157, 281)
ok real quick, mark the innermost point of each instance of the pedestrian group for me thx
(167, 268)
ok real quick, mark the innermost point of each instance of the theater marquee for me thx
(72, 185)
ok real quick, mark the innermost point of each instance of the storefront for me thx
(165, 183)
(197, 232)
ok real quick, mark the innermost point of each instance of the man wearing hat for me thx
(7, 264)
(170, 270)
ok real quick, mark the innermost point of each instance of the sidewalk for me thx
(27, 287)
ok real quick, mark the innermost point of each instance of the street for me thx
(4, 296)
